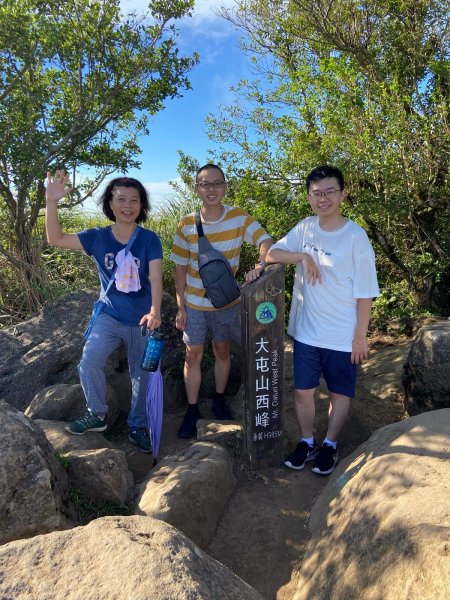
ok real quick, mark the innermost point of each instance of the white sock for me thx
(330, 443)
(309, 441)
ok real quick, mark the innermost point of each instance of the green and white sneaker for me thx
(141, 437)
(89, 422)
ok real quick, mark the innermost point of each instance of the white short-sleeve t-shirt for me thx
(324, 314)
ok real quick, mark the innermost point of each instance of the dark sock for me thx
(219, 396)
(193, 408)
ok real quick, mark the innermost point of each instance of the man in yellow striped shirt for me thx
(226, 228)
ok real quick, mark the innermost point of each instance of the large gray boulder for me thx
(381, 527)
(66, 402)
(63, 441)
(101, 475)
(425, 374)
(33, 483)
(381, 373)
(43, 350)
(58, 402)
(190, 490)
(118, 558)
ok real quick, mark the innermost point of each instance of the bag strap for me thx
(198, 223)
(132, 238)
(127, 249)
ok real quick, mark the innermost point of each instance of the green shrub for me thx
(395, 309)
(86, 510)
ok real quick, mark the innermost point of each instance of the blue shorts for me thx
(336, 367)
(223, 325)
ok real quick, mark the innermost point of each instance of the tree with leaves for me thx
(78, 83)
(364, 86)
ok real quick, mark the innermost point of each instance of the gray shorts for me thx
(222, 325)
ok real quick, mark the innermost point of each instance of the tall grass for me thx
(59, 271)
(69, 270)
(164, 222)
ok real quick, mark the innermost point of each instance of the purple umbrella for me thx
(154, 404)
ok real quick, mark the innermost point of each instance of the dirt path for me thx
(263, 533)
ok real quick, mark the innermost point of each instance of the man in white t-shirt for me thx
(335, 281)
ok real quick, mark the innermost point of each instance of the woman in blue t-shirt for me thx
(131, 258)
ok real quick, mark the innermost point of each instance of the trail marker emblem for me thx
(266, 313)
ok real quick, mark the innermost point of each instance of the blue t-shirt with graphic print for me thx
(100, 243)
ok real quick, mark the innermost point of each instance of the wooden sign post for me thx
(262, 318)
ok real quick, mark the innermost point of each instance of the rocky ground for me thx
(263, 533)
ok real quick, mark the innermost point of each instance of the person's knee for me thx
(339, 399)
(221, 350)
(193, 356)
(304, 397)
(90, 361)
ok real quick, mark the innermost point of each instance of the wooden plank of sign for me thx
(262, 314)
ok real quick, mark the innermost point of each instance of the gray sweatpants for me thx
(106, 335)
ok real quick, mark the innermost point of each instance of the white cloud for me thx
(204, 10)
(159, 192)
(207, 9)
(204, 27)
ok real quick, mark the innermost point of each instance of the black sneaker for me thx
(141, 437)
(301, 455)
(326, 460)
(188, 427)
(220, 410)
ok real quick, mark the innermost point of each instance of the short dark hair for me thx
(206, 167)
(127, 182)
(323, 172)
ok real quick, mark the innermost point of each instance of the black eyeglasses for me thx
(206, 185)
(328, 194)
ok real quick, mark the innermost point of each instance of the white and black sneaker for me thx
(301, 455)
(326, 460)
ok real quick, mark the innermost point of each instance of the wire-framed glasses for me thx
(206, 185)
(328, 194)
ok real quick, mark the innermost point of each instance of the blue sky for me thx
(182, 124)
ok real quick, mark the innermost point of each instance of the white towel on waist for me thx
(127, 274)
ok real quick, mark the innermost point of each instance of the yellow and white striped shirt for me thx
(227, 235)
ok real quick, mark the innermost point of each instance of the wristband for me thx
(261, 263)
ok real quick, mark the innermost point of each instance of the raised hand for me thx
(56, 189)
(57, 186)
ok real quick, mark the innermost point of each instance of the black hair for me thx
(127, 182)
(208, 166)
(323, 172)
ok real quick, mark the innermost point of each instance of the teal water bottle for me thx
(153, 350)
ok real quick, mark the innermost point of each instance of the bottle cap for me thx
(154, 333)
